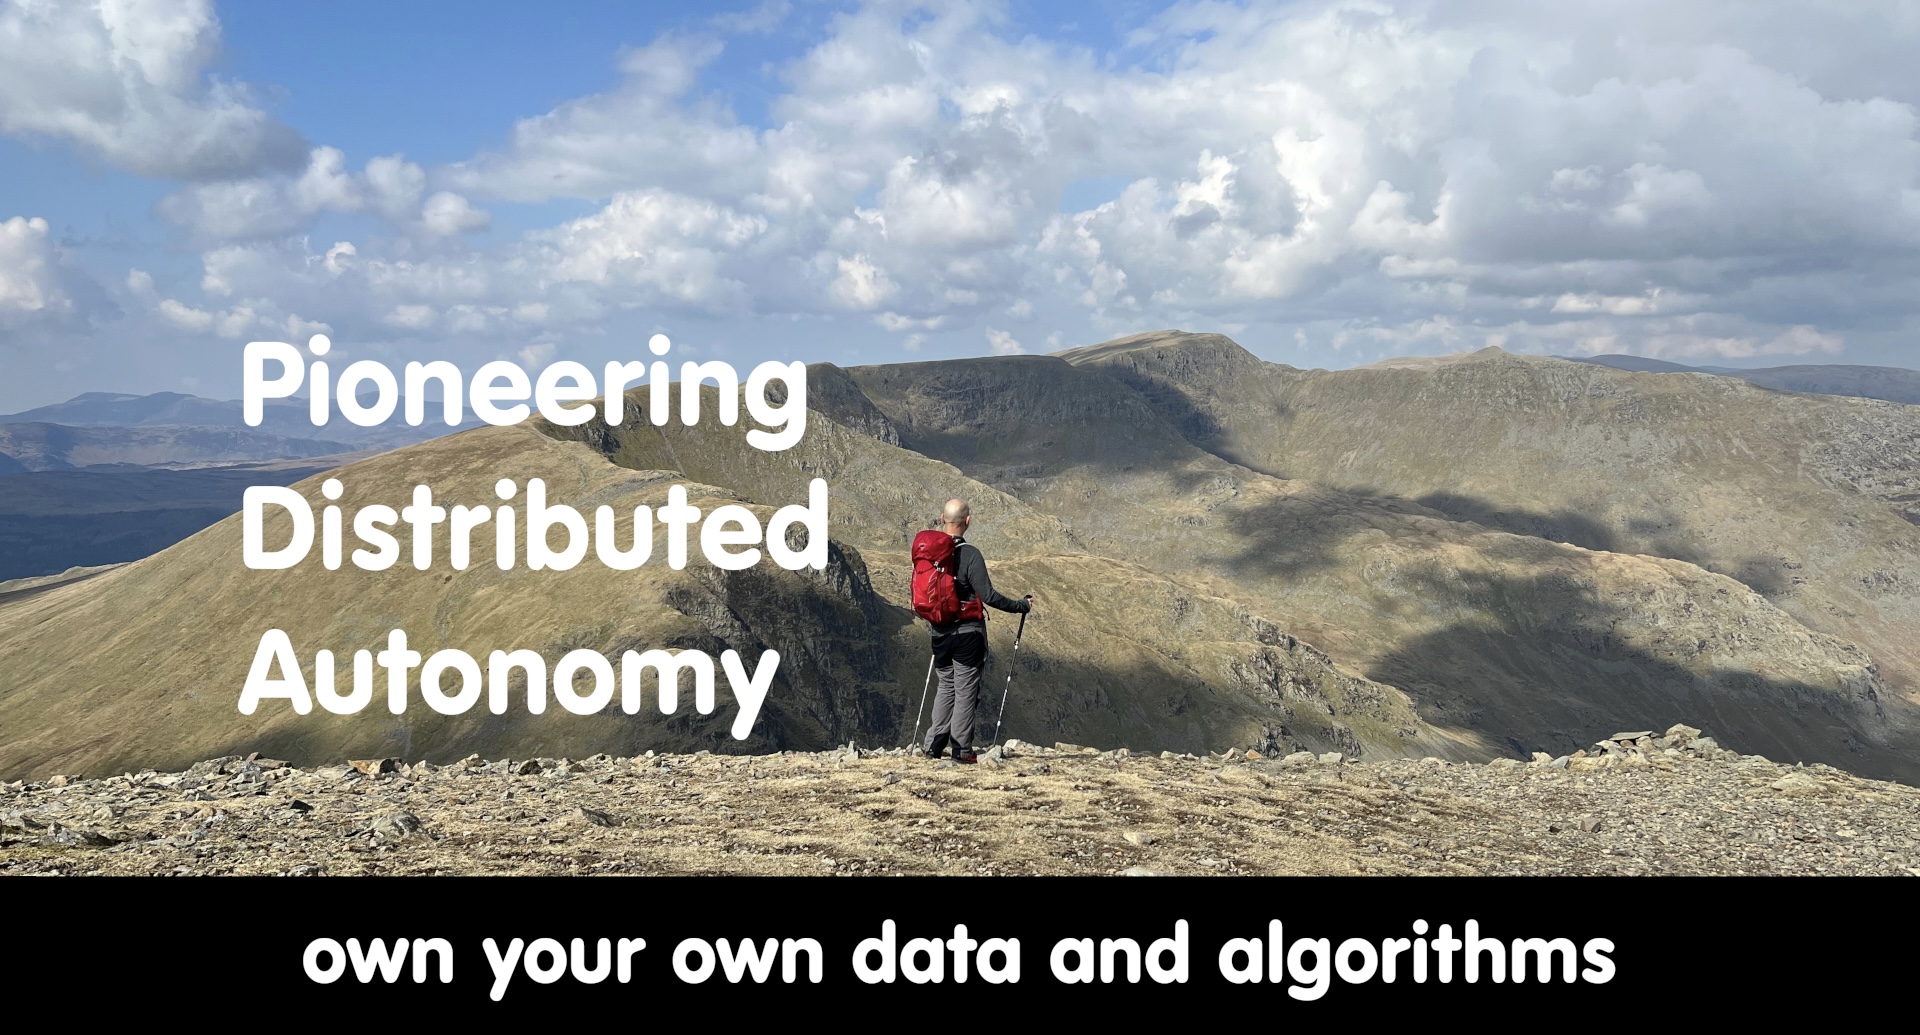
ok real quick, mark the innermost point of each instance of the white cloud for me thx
(1802, 340)
(928, 206)
(276, 205)
(392, 186)
(1362, 177)
(651, 245)
(339, 256)
(236, 322)
(266, 206)
(895, 322)
(1654, 190)
(184, 316)
(1799, 340)
(861, 284)
(1654, 301)
(29, 285)
(412, 317)
(245, 319)
(125, 80)
(1004, 344)
(639, 135)
(447, 214)
(299, 329)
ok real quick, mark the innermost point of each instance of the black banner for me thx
(946, 950)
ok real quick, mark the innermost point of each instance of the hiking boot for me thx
(965, 756)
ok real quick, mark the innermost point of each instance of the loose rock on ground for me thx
(1636, 803)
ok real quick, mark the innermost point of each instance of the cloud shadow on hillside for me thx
(1560, 526)
(1538, 639)
(1288, 538)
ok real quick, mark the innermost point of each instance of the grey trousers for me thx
(956, 698)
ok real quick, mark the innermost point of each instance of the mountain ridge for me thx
(1616, 461)
(1891, 384)
(1186, 597)
(1305, 551)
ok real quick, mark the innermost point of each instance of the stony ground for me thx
(1652, 804)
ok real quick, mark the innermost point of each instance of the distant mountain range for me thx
(120, 410)
(51, 521)
(201, 430)
(107, 477)
(1893, 384)
(62, 447)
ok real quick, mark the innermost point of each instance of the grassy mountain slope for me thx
(1517, 641)
(142, 665)
(1812, 501)
(1208, 575)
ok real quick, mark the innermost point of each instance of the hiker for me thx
(950, 583)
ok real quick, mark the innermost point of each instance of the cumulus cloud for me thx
(1356, 177)
(232, 323)
(279, 204)
(250, 318)
(650, 245)
(447, 214)
(893, 321)
(650, 249)
(125, 81)
(245, 318)
(412, 317)
(1004, 344)
(649, 133)
(1446, 177)
(861, 284)
(29, 286)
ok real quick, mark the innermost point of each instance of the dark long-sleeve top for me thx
(970, 579)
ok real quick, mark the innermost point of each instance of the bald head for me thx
(956, 515)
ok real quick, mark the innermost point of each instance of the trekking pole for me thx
(1008, 692)
(923, 702)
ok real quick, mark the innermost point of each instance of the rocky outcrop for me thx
(835, 396)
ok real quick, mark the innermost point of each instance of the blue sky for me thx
(1331, 183)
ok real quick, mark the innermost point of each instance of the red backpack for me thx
(934, 596)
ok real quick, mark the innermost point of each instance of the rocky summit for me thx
(1635, 803)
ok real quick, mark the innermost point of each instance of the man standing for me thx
(960, 646)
